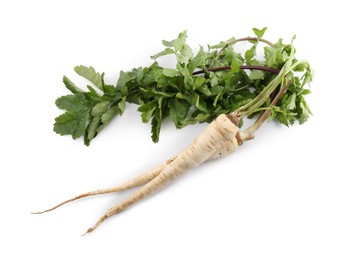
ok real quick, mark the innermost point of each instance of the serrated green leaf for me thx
(99, 108)
(213, 80)
(122, 104)
(71, 123)
(147, 110)
(217, 89)
(259, 33)
(156, 126)
(188, 77)
(205, 90)
(303, 111)
(200, 118)
(90, 133)
(250, 54)
(291, 102)
(198, 61)
(71, 86)
(198, 82)
(75, 102)
(256, 74)
(123, 78)
(179, 42)
(178, 111)
(184, 55)
(138, 74)
(170, 72)
(75, 119)
(166, 51)
(109, 90)
(99, 122)
(93, 92)
(109, 115)
(167, 43)
(223, 43)
(158, 93)
(90, 74)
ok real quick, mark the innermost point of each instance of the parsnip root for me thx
(219, 139)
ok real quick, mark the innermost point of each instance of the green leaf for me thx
(123, 78)
(170, 72)
(166, 51)
(290, 103)
(223, 43)
(74, 121)
(303, 111)
(107, 117)
(75, 102)
(198, 82)
(184, 55)
(99, 122)
(167, 43)
(156, 126)
(273, 56)
(71, 86)
(158, 93)
(216, 90)
(138, 74)
(256, 74)
(147, 110)
(90, 74)
(198, 61)
(178, 111)
(91, 132)
(214, 79)
(109, 90)
(71, 123)
(188, 77)
(99, 109)
(179, 42)
(110, 114)
(259, 33)
(250, 54)
(216, 99)
(122, 104)
(200, 118)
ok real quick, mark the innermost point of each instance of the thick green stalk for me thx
(252, 106)
(263, 117)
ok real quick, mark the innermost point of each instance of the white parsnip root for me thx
(219, 139)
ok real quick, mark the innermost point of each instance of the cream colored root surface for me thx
(137, 181)
(227, 148)
(217, 140)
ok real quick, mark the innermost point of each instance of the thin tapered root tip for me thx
(92, 193)
(44, 211)
(38, 212)
(88, 231)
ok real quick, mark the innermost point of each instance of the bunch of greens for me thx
(200, 87)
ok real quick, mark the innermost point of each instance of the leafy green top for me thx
(198, 89)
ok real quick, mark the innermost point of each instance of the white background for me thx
(284, 195)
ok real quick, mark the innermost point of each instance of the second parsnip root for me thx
(219, 139)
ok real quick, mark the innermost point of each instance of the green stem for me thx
(244, 39)
(263, 117)
(243, 67)
(261, 98)
(252, 39)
